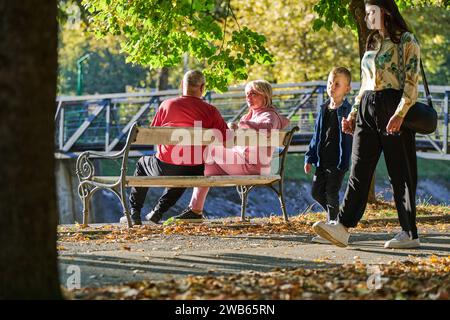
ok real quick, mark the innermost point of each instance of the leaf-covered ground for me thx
(378, 218)
(418, 277)
(425, 278)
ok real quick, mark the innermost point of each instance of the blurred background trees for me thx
(304, 48)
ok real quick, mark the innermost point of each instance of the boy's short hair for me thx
(342, 70)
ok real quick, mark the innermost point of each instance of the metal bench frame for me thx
(88, 185)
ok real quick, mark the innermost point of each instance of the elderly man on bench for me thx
(189, 110)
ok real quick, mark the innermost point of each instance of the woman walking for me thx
(389, 87)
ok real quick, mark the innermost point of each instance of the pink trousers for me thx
(217, 166)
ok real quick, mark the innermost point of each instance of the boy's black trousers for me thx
(152, 166)
(325, 190)
(369, 140)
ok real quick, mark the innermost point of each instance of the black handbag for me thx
(421, 117)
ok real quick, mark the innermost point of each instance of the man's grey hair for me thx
(193, 78)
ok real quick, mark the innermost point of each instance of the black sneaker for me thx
(154, 216)
(189, 216)
(135, 218)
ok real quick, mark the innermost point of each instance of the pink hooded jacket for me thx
(267, 118)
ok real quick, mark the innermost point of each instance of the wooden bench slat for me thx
(189, 136)
(197, 181)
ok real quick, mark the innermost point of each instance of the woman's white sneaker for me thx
(333, 231)
(319, 239)
(402, 240)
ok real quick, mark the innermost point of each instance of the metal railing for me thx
(101, 122)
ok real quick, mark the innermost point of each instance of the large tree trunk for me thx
(28, 218)
(372, 198)
(163, 81)
(357, 9)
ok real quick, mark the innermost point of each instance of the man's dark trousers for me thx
(325, 190)
(152, 166)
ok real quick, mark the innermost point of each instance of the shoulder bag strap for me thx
(402, 71)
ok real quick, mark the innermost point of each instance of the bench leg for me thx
(125, 207)
(282, 202)
(243, 206)
(85, 212)
(85, 194)
(243, 194)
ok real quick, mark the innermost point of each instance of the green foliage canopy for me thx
(300, 54)
(159, 33)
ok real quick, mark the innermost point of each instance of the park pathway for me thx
(162, 257)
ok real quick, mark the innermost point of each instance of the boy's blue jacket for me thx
(345, 140)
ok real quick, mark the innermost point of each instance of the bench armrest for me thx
(102, 155)
(84, 166)
(283, 154)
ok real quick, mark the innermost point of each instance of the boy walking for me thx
(330, 149)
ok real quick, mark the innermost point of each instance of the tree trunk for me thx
(357, 9)
(28, 218)
(372, 197)
(163, 82)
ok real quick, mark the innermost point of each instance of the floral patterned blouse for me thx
(380, 70)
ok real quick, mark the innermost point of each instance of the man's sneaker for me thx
(135, 219)
(189, 216)
(333, 231)
(319, 239)
(402, 240)
(154, 216)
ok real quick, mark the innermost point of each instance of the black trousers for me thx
(369, 140)
(325, 190)
(152, 166)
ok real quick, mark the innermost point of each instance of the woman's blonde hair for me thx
(262, 87)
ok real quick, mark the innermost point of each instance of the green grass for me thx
(112, 167)
(294, 168)
(436, 170)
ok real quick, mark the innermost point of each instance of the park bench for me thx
(89, 183)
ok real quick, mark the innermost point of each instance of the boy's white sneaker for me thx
(319, 239)
(333, 231)
(402, 240)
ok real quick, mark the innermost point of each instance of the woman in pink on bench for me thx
(245, 160)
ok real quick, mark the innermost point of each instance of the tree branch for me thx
(232, 13)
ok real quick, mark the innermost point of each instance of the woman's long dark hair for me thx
(393, 22)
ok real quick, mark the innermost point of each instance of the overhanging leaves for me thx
(158, 34)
